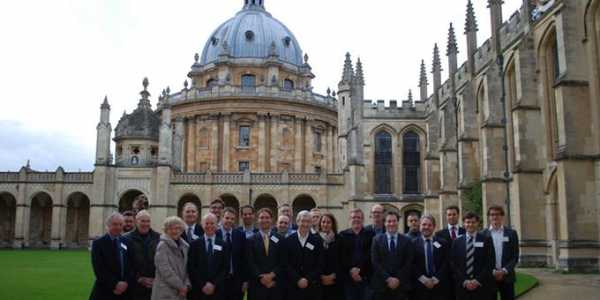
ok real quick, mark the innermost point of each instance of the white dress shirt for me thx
(303, 239)
(389, 239)
(498, 238)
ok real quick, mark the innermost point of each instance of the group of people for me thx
(266, 259)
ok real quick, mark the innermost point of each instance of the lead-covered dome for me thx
(252, 33)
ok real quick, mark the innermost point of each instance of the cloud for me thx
(47, 149)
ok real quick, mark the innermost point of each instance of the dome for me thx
(142, 123)
(251, 33)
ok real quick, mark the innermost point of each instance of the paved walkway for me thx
(554, 286)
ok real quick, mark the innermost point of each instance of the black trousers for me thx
(233, 289)
(506, 290)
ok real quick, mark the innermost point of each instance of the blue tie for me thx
(430, 265)
(393, 244)
(209, 249)
(230, 252)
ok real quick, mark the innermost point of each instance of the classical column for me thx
(262, 145)
(274, 142)
(329, 155)
(299, 145)
(226, 140)
(178, 143)
(191, 144)
(214, 142)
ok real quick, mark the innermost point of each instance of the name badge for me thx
(123, 246)
(309, 246)
(194, 237)
(437, 245)
(217, 247)
(478, 244)
(506, 239)
(275, 239)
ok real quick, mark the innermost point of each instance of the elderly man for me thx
(304, 260)
(190, 217)
(286, 210)
(283, 226)
(208, 263)
(112, 263)
(377, 217)
(142, 243)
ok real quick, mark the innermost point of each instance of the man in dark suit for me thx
(355, 257)
(377, 219)
(286, 210)
(304, 259)
(472, 262)
(236, 277)
(208, 262)
(190, 217)
(431, 265)
(392, 257)
(265, 260)
(450, 233)
(413, 225)
(112, 263)
(506, 250)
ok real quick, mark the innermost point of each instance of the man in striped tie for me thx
(472, 260)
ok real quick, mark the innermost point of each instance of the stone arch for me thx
(511, 79)
(549, 71)
(8, 212)
(78, 220)
(189, 198)
(232, 201)
(127, 199)
(409, 209)
(268, 201)
(303, 202)
(40, 220)
(413, 142)
(382, 127)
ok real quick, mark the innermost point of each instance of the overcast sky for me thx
(59, 58)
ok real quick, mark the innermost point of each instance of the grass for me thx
(67, 275)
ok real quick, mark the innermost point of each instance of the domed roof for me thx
(142, 123)
(253, 33)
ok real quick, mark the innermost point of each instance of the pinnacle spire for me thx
(452, 45)
(437, 62)
(254, 4)
(423, 75)
(360, 79)
(105, 104)
(410, 95)
(471, 22)
(348, 70)
(145, 101)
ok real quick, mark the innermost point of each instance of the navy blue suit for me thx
(510, 258)
(387, 264)
(260, 263)
(445, 234)
(198, 231)
(304, 261)
(482, 267)
(109, 270)
(238, 272)
(203, 268)
(355, 252)
(441, 266)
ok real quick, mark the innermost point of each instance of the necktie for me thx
(470, 257)
(190, 234)
(453, 233)
(430, 265)
(266, 243)
(393, 244)
(209, 249)
(228, 240)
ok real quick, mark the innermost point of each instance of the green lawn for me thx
(67, 275)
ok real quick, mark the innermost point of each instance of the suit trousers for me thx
(506, 290)
(233, 289)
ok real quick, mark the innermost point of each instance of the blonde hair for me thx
(172, 221)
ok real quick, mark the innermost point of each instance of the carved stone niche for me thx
(240, 121)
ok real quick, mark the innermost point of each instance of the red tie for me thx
(453, 233)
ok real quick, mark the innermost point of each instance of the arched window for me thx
(211, 83)
(383, 163)
(411, 162)
(511, 99)
(550, 75)
(288, 85)
(248, 82)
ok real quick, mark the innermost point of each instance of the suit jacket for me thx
(254, 231)
(198, 231)
(237, 253)
(261, 263)
(445, 234)
(482, 266)
(413, 235)
(375, 231)
(510, 252)
(304, 261)
(392, 264)
(201, 269)
(107, 268)
(441, 266)
(348, 259)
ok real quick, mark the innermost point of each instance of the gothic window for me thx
(383, 163)
(411, 162)
(551, 74)
(288, 85)
(244, 166)
(511, 95)
(248, 82)
(244, 136)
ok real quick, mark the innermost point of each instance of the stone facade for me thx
(519, 118)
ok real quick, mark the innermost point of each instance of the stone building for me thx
(517, 119)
